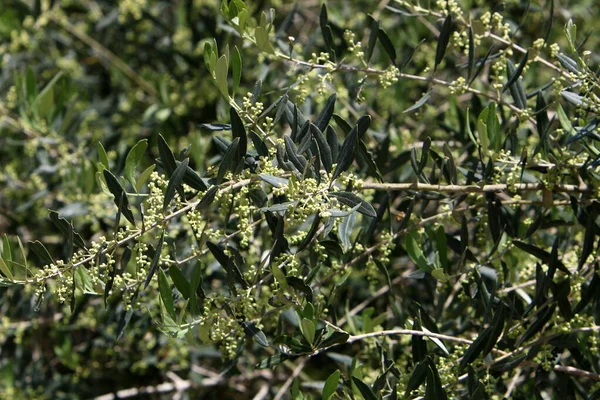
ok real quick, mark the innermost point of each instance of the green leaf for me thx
(41, 252)
(6, 270)
(387, 44)
(166, 156)
(120, 197)
(165, 293)
(102, 157)
(308, 330)
(125, 257)
(292, 152)
(324, 116)
(331, 385)
(419, 103)
(262, 40)
(352, 200)
(133, 159)
(417, 378)
(66, 229)
(336, 338)
(274, 180)
(349, 147)
(272, 361)
(416, 254)
(434, 389)
(543, 255)
(374, 27)
(471, 54)
(364, 389)
(443, 40)
(175, 184)
(323, 146)
(515, 83)
(208, 198)
(255, 333)
(141, 181)
(299, 285)
(155, 260)
(228, 162)
(549, 22)
(515, 73)
(238, 131)
(44, 102)
(180, 281)
(325, 29)
(221, 70)
(236, 68)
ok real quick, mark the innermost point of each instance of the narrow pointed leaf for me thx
(387, 44)
(155, 260)
(351, 200)
(120, 197)
(443, 40)
(228, 162)
(175, 183)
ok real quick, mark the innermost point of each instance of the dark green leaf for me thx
(228, 162)
(348, 150)
(300, 286)
(434, 389)
(351, 200)
(323, 146)
(417, 378)
(324, 116)
(332, 140)
(259, 145)
(41, 252)
(515, 83)
(443, 40)
(374, 27)
(180, 281)
(588, 242)
(165, 293)
(544, 316)
(515, 73)
(549, 22)
(539, 253)
(274, 180)
(273, 361)
(418, 345)
(251, 330)
(311, 233)
(166, 156)
(66, 228)
(155, 260)
(208, 198)
(120, 197)
(387, 44)
(292, 152)
(238, 131)
(334, 339)
(364, 389)
(325, 29)
(471, 54)
(175, 183)
(481, 64)
(125, 257)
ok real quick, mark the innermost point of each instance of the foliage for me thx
(337, 200)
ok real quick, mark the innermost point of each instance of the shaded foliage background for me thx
(75, 73)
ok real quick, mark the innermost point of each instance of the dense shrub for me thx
(340, 200)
